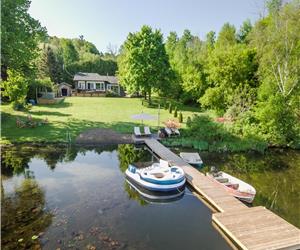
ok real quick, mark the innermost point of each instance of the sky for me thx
(105, 22)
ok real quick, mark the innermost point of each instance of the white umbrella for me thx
(143, 116)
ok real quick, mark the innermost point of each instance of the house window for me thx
(100, 86)
(113, 87)
(81, 85)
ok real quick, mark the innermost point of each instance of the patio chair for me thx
(137, 132)
(147, 131)
(168, 131)
(163, 163)
(175, 131)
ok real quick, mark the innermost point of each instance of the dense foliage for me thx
(20, 35)
(29, 56)
(250, 76)
(187, 58)
(143, 64)
(61, 58)
(15, 88)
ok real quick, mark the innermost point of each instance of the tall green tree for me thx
(229, 70)
(274, 6)
(42, 62)
(50, 64)
(70, 53)
(187, 56)
(143, 64)
(55, 66)
(194, 74)
(210, 39)
(227, 36)
(278, 52)
(171, 44)
(20, 35)
(244, 31)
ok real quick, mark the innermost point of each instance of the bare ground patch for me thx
(102, 136)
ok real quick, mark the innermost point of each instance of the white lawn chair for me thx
(176, 131)
(147, 131)
(168, 131)
(137, 132)
(163, 163)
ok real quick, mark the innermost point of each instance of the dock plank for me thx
(258, 228)
(250, 228)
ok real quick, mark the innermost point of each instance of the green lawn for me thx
(77, 114)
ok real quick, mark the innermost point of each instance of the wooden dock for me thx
(250, 228)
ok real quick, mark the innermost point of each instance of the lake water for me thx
(275, 176)
(74, 198)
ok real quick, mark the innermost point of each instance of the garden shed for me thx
(64, 89)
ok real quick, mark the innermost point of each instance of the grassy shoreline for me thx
(78, 114)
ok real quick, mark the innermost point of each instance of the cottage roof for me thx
(95, 77)
(64, 83)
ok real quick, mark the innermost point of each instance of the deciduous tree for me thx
(20, 35)
(144, 65)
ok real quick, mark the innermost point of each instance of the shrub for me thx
(15, 88)
(188, 121)
(180, 117)
(170, 108)
(277, 121)
(203, 128)
(175, 112)
(113, 94)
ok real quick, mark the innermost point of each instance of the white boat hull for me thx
(152, 186)
(243, 191)
(157, 177)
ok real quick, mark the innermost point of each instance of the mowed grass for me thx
(77, 114)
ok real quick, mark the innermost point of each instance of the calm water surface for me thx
(70, 198)
(275, 176)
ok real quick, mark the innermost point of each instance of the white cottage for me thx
(93, 82)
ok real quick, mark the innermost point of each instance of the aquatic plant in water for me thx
(23, 216)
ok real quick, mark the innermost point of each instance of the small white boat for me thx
(158, 177)
(191, 158)
(234, 186)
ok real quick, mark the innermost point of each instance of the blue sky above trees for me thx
(109, 21)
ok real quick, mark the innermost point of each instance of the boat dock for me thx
(248, 227)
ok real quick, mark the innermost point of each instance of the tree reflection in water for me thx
(128, 154)
(134, 195)
(23, 216)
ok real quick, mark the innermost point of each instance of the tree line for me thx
(250, 75)
(31, 59)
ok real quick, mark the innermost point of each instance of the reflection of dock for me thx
(249, 228)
